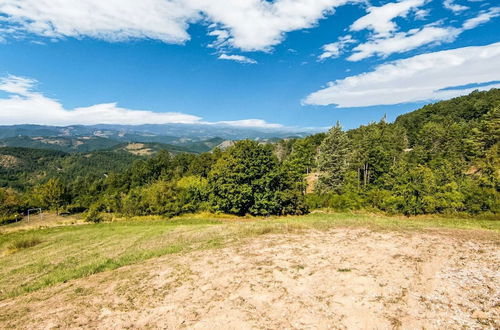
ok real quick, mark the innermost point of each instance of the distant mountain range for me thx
(153, 133)
(176, 138)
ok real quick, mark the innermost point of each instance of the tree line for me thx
(443, 158)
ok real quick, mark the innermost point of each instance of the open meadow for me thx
(204, 271)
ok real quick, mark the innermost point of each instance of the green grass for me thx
(23, 243)
(34, 259)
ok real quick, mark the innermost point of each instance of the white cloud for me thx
(237, 58)
(111, 20)
(249, 25)
(257, 24)
(419, 78)
(404, 41)
(390, 42)
(250, 123)
(451, 5)
(380, 19)
(482, 18)
(23, 105)
(17, 85)
(384, 38)
(335, 49)
(221, 37)
(421, 14)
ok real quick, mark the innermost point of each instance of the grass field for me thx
(31, 259)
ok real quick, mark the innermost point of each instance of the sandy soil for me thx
(340, 279)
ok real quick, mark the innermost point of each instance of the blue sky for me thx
(304, 63)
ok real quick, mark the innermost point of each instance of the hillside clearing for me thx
(70, 251)
(293, 272)
(344, 278)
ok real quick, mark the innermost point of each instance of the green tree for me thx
(201, 165)
(52, 195)
(10, 205)
(247, 179)
(333, 159)
(235, 176)
(302, 158)
(193, 193)
(158, 198)
(375, 148)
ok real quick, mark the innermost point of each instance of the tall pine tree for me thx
(333, 160)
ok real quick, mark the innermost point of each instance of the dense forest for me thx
(443, 158)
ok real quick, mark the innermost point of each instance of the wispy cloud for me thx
(379, 21)
(419, 78)
(387, 40)
(482, 18)
(24, 105)
(335, 49)
(249, 123)
(454, 7)
(404, 41)
(237, 58)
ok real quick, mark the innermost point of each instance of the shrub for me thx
(93, 215)
(339, 202)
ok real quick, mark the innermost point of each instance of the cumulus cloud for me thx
(257, 24)
(250, 25)
(431, 76)
(111, 20)
(23, 105)
(237, 58)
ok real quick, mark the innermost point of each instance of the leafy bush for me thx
(338, 202)
(93, 215)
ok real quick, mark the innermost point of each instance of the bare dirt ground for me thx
(340, 279)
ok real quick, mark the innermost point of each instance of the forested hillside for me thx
(443, 158)
(93, 143)
(465, 110)
(23, 168)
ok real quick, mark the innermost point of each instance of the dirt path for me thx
(341, 279)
